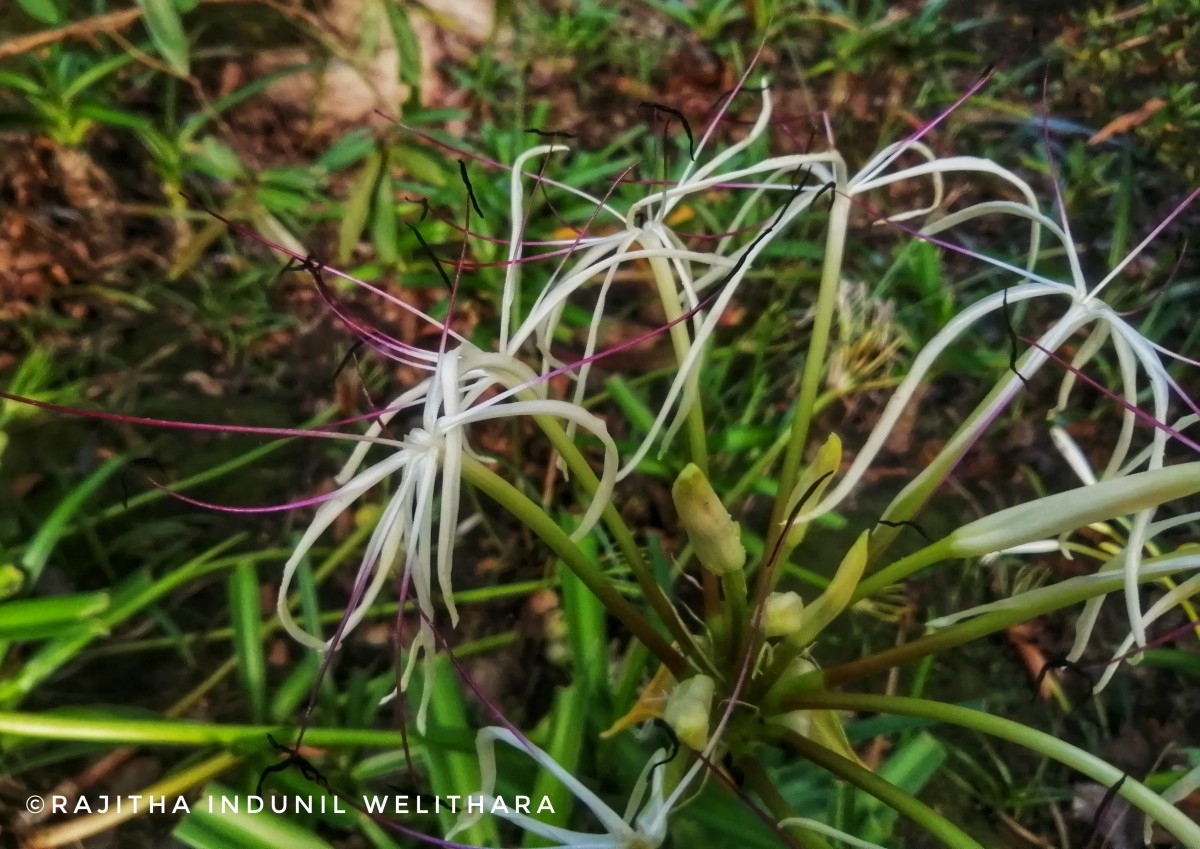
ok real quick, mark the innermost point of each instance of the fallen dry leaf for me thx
(1128, 121)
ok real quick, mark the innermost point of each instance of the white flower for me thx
(426, 463)
(643, 826)
(684, 277)
(1085, 309)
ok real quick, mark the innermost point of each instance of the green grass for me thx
(148, 627)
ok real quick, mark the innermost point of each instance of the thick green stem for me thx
(1073, 592)
(622, 536)
(178, 732)
(761, 784)
(814, 361)
(534, 518)
(1133, 791)
(901, 569)
(664, 280)
(886, 792)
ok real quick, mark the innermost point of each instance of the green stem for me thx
(901, 569)
(534, 518)
(734, 585)
(166, 732)
(622, 536)
(814, 361)
(664, 280)
(1100, 771)
(761, 784)
(964, 632)
(883, 790)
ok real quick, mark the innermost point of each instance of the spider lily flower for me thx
(1085, 309)
(720, 271)
(468, 386)
(643, 825)
(699, 284)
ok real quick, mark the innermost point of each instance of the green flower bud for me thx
(716, 538)
(836, 596)
(687, 711)
(812, 484)
(783, 614)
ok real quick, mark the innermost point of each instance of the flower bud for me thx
(688, 709)
(1075, 508)
(783, 614)
(812, 484)
(716, 538)
(837, 595)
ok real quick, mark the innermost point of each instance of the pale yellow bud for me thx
(715, 537)
(783, 614)
(688, 709)
(836, 596)
(799, 721)
(812, 484)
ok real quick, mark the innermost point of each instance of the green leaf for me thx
(383, 221)
(11, 79)
(585, 619)
(408, 45)
(113, 117)
(166, 32)
(639, 416)
(351, 148)
(47, 537)
(247, 637)
(909, 768)
(358, 207)
(37, 618)
(46, 11)
(218, 160)
(567, 718)
(212, 825)
(452, 771)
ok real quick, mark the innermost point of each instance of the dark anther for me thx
(354, 349)
(1012, 340)
(550, 134)
(659, 764)
(662, 726)
(830, 187)
(671, 110)
(423, 203)
(804, 173)
(462, 170)
(138, 461)
(795, 511)
(437, 263)
(309, 771)
(1059, 663)
(905, 523)
(1102, 823)
(808, 493)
